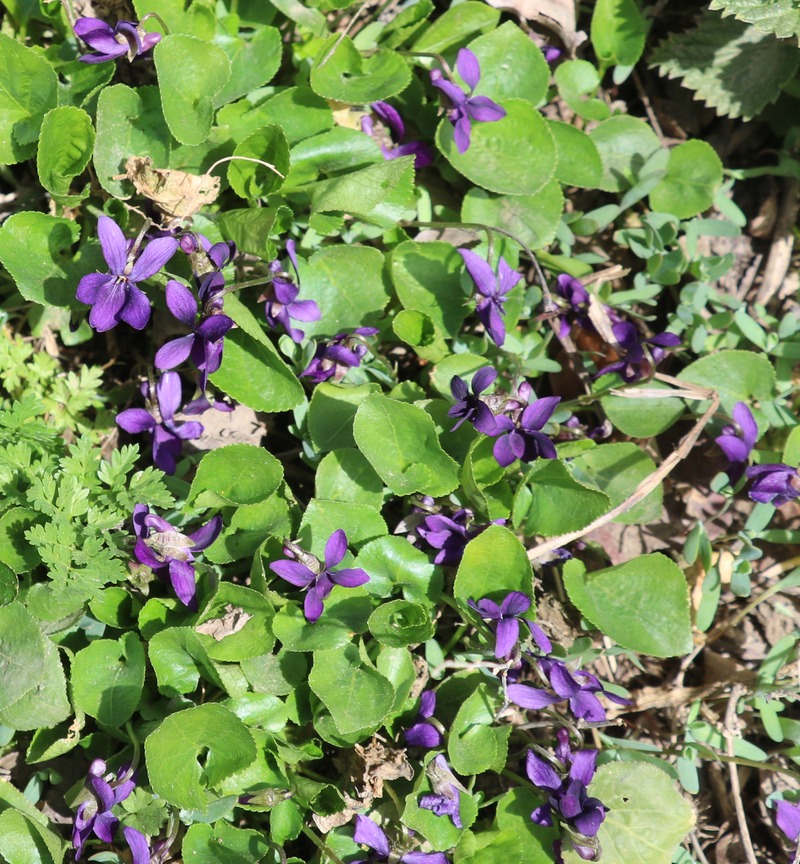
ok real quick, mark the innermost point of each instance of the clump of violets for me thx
(579, 689)
(506, 618)
(773, 484)
(392, 121)
(369, 834)
(737, 441)
(445, 799)
(520, 435)
(425, 732)
(464, 108)
(159, 420)
(318, 578)
(638, 357)
(203, 345)
(449, 535)
(102, 792)
(333, 359)
(169, 553)
(788, 818)
(116, 296)
(492, 289)
(281, 305)
(564, 782)
(109, 43)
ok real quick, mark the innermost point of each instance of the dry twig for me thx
(731, 731)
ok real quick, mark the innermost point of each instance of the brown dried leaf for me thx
(240, 426)
(231, 622)
(177, 195)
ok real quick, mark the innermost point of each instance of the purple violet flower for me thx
(332, 359)
(573, 298)
(205, 255)
(737, 441)
(567, 798)
(391, 119)
(423, 733)
(492, 290)
(369, 834)
(158, 419)
(445, 800)
(137, 843)
(306, 571)
(126, 37)
(282, 304)
(577, 688)
(169, 553)
(508, 615)
(470, 406)
(450, 535)
(522, 438)
(788, 819)
(115, 296)
(94, 815)
(639, 357)
(464, 107)
(204, 344)
(773, 484)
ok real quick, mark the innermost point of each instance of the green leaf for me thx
(738, 376)
(191, 73)
(534, 219)
(400, 623)
(221, 843)
(780, 17)
(579, 162)
(560, 503)
(20, 841)
(513, 156)
(647, 816)
(249, 179)
(617, 469)
(332, 412)
(643, 418)
(577, 81)
(716, 58)
(357, 696)
(427, 279)
(297, 110)
(226, 639)
(393, 563)
(494, 563)
(9, 585)
(513, 812)
(28, 90)
(15, 551)
(512, 66)
(456, 25)
(420, 332)
(400, 442)
(346, 612)
(107, 679)
(475, 744)
(349, 286)
(438, 830)
(381, 194)
(343, 73)
(195, 19)
(36, 249)
(251, 229)
(332, 153)
(345, 475)
(642, 604)
(625, 143)
(322, 518)
(65, 148)
(254, 61)
(694, 174)
(11, 800)
(178, 658)
(130, 122)
(23, 654)
(618, 32)
(252, 371)
(45, 704)
(236, 474)
(172, 751)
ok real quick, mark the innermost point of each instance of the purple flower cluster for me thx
(464, 108)
(281, 305)
(506, 619)
(449, 535)
(169, 553)
(564, 781)
(445, 800)
(515, 422)
(332, 359)
(109, 43)
(306, 571)
(492, 290)
(94, 815)
(392, 121)
(369, 834)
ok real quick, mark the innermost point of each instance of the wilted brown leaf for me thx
(177, 195)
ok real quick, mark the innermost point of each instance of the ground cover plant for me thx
(399, 440)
